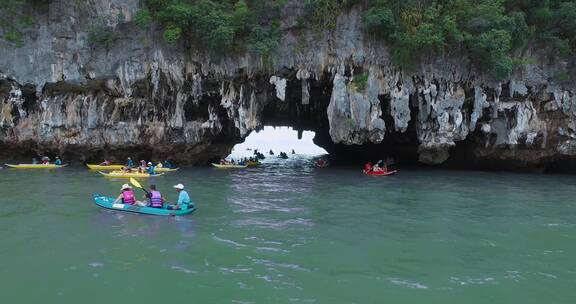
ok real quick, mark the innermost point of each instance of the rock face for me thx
(144, 97)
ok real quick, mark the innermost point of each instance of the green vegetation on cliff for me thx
(490, 31)
(220, 26)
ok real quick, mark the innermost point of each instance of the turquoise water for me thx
(289, 233)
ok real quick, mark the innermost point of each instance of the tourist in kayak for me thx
(126, 196)
(129, 163)
(271, 152)
(151, 169)
(183, 199)
(367, 167)
(34, 161)
(155, 198)
(105, 163)
(380, 167)
(168, 164)
(58, 161)
(142, 168)
(45, 160)
(293, 152)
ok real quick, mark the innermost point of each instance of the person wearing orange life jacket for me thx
(155, 198)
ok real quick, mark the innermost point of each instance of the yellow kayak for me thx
(230, 166)
(253, 164)
(120, 174)
(103, 168)
(36, 166)
(165, 169)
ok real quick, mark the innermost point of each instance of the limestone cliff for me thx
(144, 97)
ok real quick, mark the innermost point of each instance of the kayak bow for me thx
(104, 168)
(36, 166)
(229, 166)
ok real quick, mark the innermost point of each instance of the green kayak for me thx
(108, 203)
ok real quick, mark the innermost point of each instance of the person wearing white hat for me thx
(183, 198)
(126, 196)
(151, 169)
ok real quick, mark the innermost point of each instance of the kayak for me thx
(108, 203)
(381, 173)
(165, 169)
(253, 164)
(120, 174)
(103, 168)
(36, 166)
(229, 166)
(119, 167)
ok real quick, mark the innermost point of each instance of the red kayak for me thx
(380, 173)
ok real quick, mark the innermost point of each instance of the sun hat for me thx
(126, 186)
(149, 163)
(179, 186)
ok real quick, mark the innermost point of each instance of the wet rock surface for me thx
(146, 98)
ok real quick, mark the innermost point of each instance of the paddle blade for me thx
(135, 183)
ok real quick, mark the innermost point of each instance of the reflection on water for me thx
(289, 233)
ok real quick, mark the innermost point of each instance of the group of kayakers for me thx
(258, 156)
(45, 160)
(282, 155)
(379, 167)
(154, 198)
(143, 167)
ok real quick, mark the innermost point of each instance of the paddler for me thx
(126, 196)
(168, 164)
(58, 161)
(183, 199)
(150, 170)
(142, 168)
(129, 163)
(105, 163)
(367, 167)
(155, 198)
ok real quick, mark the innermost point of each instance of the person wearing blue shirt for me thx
(184, 201)
(151, 169)
(58, 161)
(168, 164)
(129, 163)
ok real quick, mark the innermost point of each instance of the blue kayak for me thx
(108, 203)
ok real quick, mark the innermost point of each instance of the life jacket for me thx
(156, 200)
(128, 197)
(367, 167)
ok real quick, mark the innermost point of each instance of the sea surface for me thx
(290, 233)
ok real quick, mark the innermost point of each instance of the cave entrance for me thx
(278, 139)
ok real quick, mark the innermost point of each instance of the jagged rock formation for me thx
(144, 97)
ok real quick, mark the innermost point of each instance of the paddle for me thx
(136, 184)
